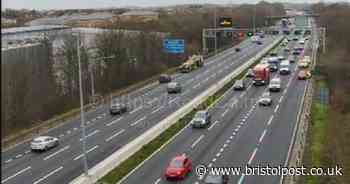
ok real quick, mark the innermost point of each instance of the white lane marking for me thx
(92, 120)
(133, 111)
(221, 150)
(99, 117)
(206, 79)
(209, 165)
(75, 129)
(57, 152)
(285, 91)
(90, 134)
(270, 120)
(16, 174)
(225, 145)
(228, 141)
(26, 152)
(88, 122)
(68, 132)
(218, 154)
(19, 156)
(280, 101)
(138, 121)
(157, 181)
(48, 175)
(262, 136)
(252, 156)
(223, 114)
(236, 130)
(214, 159)
(276, 109)
(197, 85)
(114, 135)
(173, 100)
(231, 137)
(212, 125)
(197, 141)
(113, 122)
(88, 151)
(8, 161)
(157, 110)
(249, 87)
(241, 96)
(61, 135)
(150, 102)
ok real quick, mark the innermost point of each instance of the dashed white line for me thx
(281, 98)
(157, 181)
(133, 111)
(113, 122)
(262, 136)
(214, 159)
(138, 121)
(270, 120)
(16, 174)
(285, 91)
(252, 156)
(231, 137)
(150, 102)
(61, 135)
(212, 125)
(236, 130)
(223, 114)
(57, 152)
(196, 86)
(48, 175)
(8, 161)
(88, 151)
(90, 134)
(197, 141)
(158, 109)
(26, 152)
(68, 132)
(276, 109)
(218, 154)
(19, 156)
(114, 135)
(171, 101)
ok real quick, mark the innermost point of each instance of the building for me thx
(143, 16)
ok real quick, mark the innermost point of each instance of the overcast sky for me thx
(71, 4)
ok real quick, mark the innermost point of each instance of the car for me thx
(295, 39)
(43, 143)
(286, 49)
(289, 39)
(117, 108)
(273, 60)
(273, 67)
(201, 119)
(285, 67)
(259, 42)
(281, 58)
(292, 58)
(273, 53)
(265, 99)
(304, 74)
(216, 179)
(239, 84)
(301, 42)
(179, 167)
(275, 84)
(264, 60)
(237, 49)
(250, 73)
(164, 78)
(174, 87)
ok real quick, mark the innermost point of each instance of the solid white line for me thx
(138, 121)
(197, 141)
(136, 109)
(211, 126)
(48, 175)
(113, 122)
(278, 105)
(156, 110)
(252, 156)
(16, 174)
(116, 134)
(270, 120)
(262, 136)
(88, 151)
(223, 114)
(91, 134)
(157, 181)
(57, 152)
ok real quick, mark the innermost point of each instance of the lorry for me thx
(192, 63)
(261, 74)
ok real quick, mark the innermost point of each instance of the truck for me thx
(261, 74)
(192, 63)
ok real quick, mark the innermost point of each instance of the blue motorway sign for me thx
(174, 46)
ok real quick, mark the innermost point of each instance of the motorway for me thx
(106, 134)
(243, 133)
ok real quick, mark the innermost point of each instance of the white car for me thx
(275, 84)
(265, 99)
(302, 42)
(43, 143)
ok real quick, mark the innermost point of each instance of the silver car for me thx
(174, 87)
(43, 143)
(265, 99)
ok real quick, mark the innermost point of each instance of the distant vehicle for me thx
(237, 49)
(265, 99)
(239, 84)
(307, 32)
(285, 67)
(289, 39)
(192, 63)
(286, 49)
(275, 84)
(179, 167)
(301, 42)
(273, 67)
(304, 62)
(292, 58)
(117, 108)
(298, 32)
(264, 60)
(174, 87)
(281, 58)
(216, 179)
(304, 74)
(261, 74)
(164, 78)
(43, 143)
(250, 73)
(299, 48)
(295, 39)
(201, 119)
(273, 60)
(274, 53)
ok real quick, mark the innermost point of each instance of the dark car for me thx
(201, 119)
(164, 78)
(174, 87)
(273, 53)
(216, 179)
(273, 67)
(239, 84)
(237, 49)
(117, 108)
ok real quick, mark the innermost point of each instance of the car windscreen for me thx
(37, 141)
(200, 115)
(176, 163)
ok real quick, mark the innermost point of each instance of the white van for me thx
(285, 67)
(275, 84)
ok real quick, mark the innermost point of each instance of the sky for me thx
(81, 4)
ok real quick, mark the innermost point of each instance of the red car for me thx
(178, 167)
